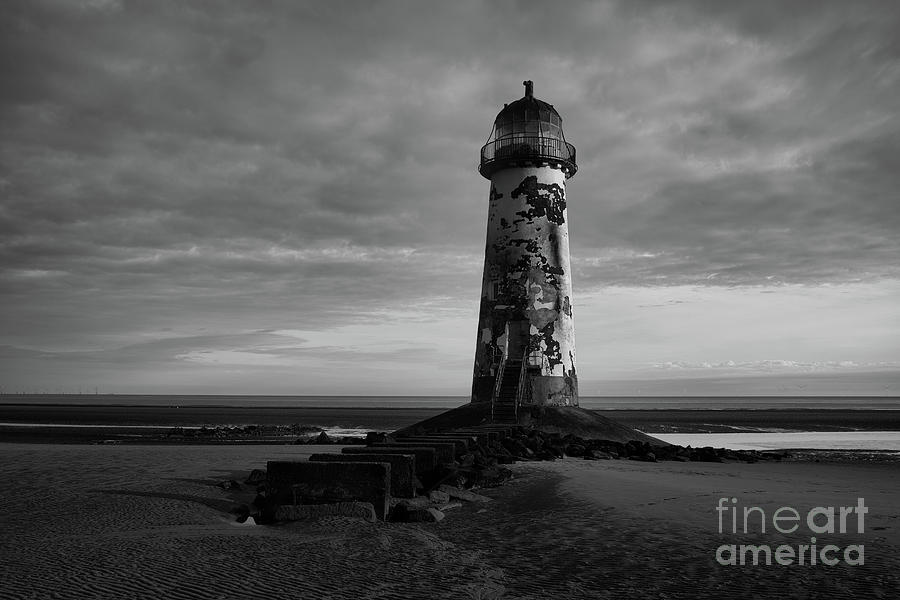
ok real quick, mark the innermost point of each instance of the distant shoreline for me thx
(129, 424)
(415, 407)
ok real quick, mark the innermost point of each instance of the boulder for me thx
(535, 442)
(375, 436)
(705, 454)
(575, 450)
(438, 497)
(545, 454)
(403, 513)
(322, 439)
(557, 449)
(256, 477)
(464, 494)
(492, 476)
(516, 448)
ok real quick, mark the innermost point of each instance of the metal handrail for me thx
(523, 389)
(533, 147)
(497, 383)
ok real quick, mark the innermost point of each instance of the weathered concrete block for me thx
(403, 469)
(306, 482)
(299, 512)
(460, 444)
(470, 442)
(426, 459)
(473, 440)
(256, 477)
(444, 451)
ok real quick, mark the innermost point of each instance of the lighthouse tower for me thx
(525, 350)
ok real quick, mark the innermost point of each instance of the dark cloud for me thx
(828, 220)
(782, 168)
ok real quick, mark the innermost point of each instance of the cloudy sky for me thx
(282, 197)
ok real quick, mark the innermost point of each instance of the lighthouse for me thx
(525, 348)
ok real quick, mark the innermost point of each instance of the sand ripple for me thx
(132, 522)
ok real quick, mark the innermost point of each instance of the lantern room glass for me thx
(527, 129)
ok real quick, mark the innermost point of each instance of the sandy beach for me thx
(137, 521)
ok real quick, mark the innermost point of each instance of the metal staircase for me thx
(508, 391)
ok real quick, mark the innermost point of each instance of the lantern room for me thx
(527, 132)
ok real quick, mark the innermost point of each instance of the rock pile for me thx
(538, 445)
(301, 434)
(437, 471)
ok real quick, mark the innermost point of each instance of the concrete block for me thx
(306, 482)
(473, 441)
(403, 469)
(460, 444)
(444, 451)
(426, 459)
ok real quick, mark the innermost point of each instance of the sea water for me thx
(355, 415)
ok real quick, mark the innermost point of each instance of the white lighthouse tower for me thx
(525, 350)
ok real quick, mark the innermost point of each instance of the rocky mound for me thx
(571, 420)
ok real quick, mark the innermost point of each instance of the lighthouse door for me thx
(517, 336)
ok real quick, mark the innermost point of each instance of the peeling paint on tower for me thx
(526, 297)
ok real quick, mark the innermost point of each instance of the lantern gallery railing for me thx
(513, 148)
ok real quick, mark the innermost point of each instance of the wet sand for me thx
(148, 522)
(734, 420)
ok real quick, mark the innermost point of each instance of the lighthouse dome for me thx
(527, 131)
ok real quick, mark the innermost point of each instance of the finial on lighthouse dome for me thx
(527, 131)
